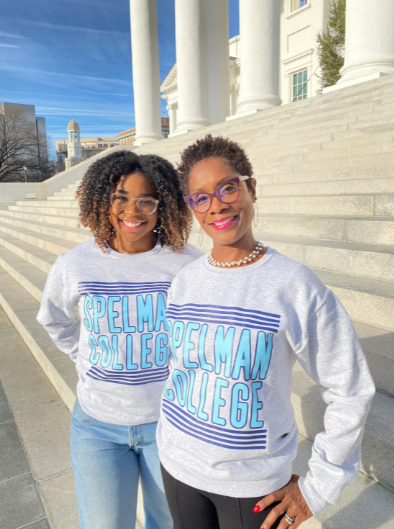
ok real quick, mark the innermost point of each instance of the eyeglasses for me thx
(227, 193)
(144, 205)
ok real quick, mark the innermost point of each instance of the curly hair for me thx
(100, 179)
(213, 147)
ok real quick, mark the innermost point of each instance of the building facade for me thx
(298, 65)
(273, 61)
(129, 137)
(76, 149)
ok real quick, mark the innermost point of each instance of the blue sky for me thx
(67, 56)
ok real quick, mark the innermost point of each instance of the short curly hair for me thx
(213, 147)
(100, 179)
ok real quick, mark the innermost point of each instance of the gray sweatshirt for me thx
(120, 341)
(227, 423)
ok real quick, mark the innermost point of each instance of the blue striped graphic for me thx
(225, 315)
(223, 437)
(127, 378)
(104, 289)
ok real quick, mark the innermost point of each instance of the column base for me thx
(142, 140)
(249, 108)
(354, 81)
(188, 126)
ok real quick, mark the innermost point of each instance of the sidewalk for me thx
(36, 481)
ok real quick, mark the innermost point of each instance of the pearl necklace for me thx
(259, 247)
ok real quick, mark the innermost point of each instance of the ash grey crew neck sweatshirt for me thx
(120, 343)
(227, 424)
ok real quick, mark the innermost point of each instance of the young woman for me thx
(240, 317)
(119, 282)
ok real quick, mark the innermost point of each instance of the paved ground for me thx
(36, 482)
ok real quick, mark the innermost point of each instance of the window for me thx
(297, 4)
(61, 158)
(300, 85)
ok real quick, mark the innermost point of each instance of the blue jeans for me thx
(107, 461)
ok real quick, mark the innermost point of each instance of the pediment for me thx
(170, 79)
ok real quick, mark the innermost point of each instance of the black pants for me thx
(196, 509)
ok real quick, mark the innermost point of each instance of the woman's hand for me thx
(291, 501)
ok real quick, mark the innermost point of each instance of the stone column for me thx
(146, 75)
(172, 115)
(218, 61)
(369, 51)
(259, 31)
(192, 64)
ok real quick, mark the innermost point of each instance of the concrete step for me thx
(363, 260)
(377, 449)
(60, 198)
(25, 274)
(53, 240)
(370, 186)
(54, 220)
(45, 203)
(367, 301)
(41, 259)
(376, 231)
(326, 175)
(68, 212)
(379, 350)
(359, 205)
(369, 160)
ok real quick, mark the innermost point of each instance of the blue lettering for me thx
(263, 355)
(115, 364)
(177, 336)
(180, 382)
(112, 314)
(161, 313)
(88, 320)
(239, 410)
(98, 301)
(242, 358)
(218, 402)
(168, 393)
(201, 347)
(107, 352)
(190, 407)
(223, 349)
(125, 315)
(95, 356)
(161, 349)
(256, 406)
(203, 397)
(145, 312)
(189, 346)
(145, 350)
(129, 353)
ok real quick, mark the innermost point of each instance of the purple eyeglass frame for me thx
(238, 179)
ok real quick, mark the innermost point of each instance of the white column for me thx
(259, 31)
(218, 61)
(192, 64)
(146, 75)
(369, 50)
(172, 115)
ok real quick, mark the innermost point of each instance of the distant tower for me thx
(74, 154)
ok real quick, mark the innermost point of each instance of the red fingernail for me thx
(257, 508)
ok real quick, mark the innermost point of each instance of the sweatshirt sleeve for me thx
(332, 355)
(56, 312)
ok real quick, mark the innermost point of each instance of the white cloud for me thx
(12, 35)
(8, 46)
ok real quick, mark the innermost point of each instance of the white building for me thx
(298, 67)
(273, 61)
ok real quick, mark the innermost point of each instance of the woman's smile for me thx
(224, 222)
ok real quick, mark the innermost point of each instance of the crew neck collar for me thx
(117, 255)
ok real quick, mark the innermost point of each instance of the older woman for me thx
(239, 319)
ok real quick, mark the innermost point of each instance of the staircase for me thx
(325, 174)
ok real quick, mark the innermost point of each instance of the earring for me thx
(201, 237)
(256, 214)
(158, 230)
